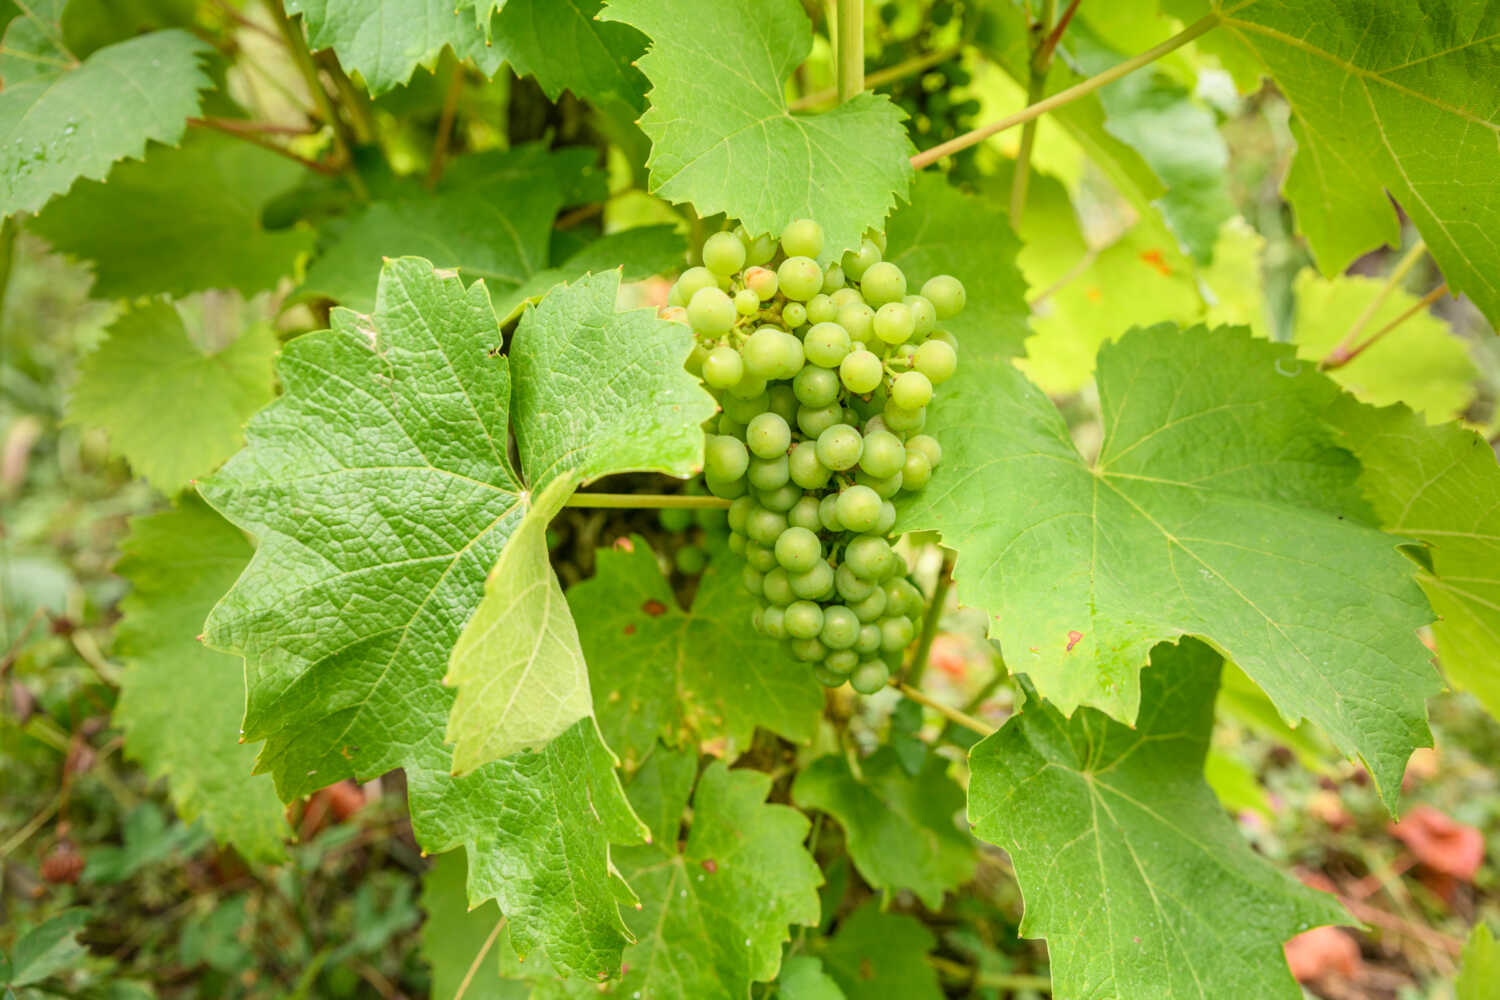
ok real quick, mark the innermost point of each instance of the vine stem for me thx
(645, 501)
(1331, 363)
(445, 126)
(880, 77)
(931, 619)
(851, 48)
(303, 59)
(1341, 351)
(1067, 96)
(1036, 89)
(256, 139)
(484, 949)
(946, 711)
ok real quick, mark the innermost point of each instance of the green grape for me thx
(936, 360)
(815, 584)
(804, 468)
(887, 518)
(802, 238)
(816, 387)
(783, 402)
(871, 608)
(868, 641)
(813, 421)
(840, 663)
(946, 293)
(773, 622)
(901, 420)
(758, 249)
(753, 579)
(826, 677)
(859, 320)
(737, 542)
(882, 282)
(840, 627)
(857, 262)
(695, 358)
(869, 557)
(917, 471)
(749, 386)
(804, 514)
(858, 510)
(851, 416)
(723, 253)
(828, 513)
(723, 367)
(846, 297)
(761, 281)
(777, 588)
(725, 458)
(800, 277)
(924, 316)
(883, 454)
(826, 344)
(911, 391)
(833, 278)
(794, 315)
(725, 489)
(893, 323)
(742, 411)
(849, 584)
(745, 302)
(692, 281)
(764, 526)
(771, 353)
(768, 436)
(781, 499)
(839, 447)
(804, 620)
(875, 423)
(675, 518)
(674, 296)
(768, 473)
(905, 353)
(945, 337)
(808, 650)
(902, 597)
(820, 309)
(870, 676)
(711, 311)
(760, 556)
(690, 560)
(896, 634)
(861, 372)
(884, 487)
(711, 519)
(798, 550)
(927, 445)
(739, 511)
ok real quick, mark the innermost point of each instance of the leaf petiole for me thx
(645, 501)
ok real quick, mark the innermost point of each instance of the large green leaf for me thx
(1130, 868)
(180, 221)
(386, 40)
(875, 956)
(460, 944)
(1440, 485)
(379, 488)
(180, 703)
(1218, 507)
(723, 139)
(1404, 98)
(802, 978)
(79, 118)
(899, 826)
(565, 46)
(173, 407)
(685, 676)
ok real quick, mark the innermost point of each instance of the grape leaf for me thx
(455, 938)
(1421, 362)
(180, 703)
(76, 122)
(1130, 868)
(386, 40)
(802, 978)
(685, 676)
(899, 826)
(1406, 102)
(875, 956)
(380, 492)
(172, 408)
(723, 139)
(1218, 507)
(34, 45)
(566, 47)
(179, 221)
(1479, 966)
(90, 25)
(1440, 485)
(944, 231)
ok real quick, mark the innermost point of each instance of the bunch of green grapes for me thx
(824, 375)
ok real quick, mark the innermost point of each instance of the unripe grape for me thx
(723, 253)
(794, 315)
(839, 447)
(896, 634)
(764, 526)
(761, 557)
(902, 420)
(726, 489)
(902, 597)
(927, 445)
(859, 320)
(820, 309)
(947, 295)
(851, 586)
(753, 579)
(783, 401)
(826, 344)
(845, 297)
(710, 311)
(870, 676)
(815, 584)
(857, 262)
(882, 282)
(808, 650)
(869, 556)
(773, 622)
(725, 458)
(883, 454)
(768, 436)
(777, 587)
(758, 249)
(804, 514)
(723, 367)
(814, 420)
(691, 282)
(861, 372)
(840, 627)
(768, 474)
(805, 469)
(690, 560)
(871, 608)
(828, 513)
(887, 518)
(745, 302)
(798, 550)
(826, 677)
(945, 336)
(675, 518)
(937, 360)
(737, 543)
(833, 278)
(801, 278)
(893, 323)
(911, 391)
(816, 386)
(780, 499)
(885, 487)
(738, 512)
(868, 642)
(858, 510)
(924, 316)
(761, 281)
(750, 385)
(741, 411)
(771, 353)
(839, 663)
(917, 471)
(803, 238)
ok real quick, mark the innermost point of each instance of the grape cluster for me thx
(824, 375)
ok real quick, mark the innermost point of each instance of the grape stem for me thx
(445, 126)
(645, 501)
(253, 136)
(1341, 351)
(948, 712)
(484, 950)
(1067, 96)
(930, 621)
(851, 48)
(881, 77)
(302, 57)
(1338, 361)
